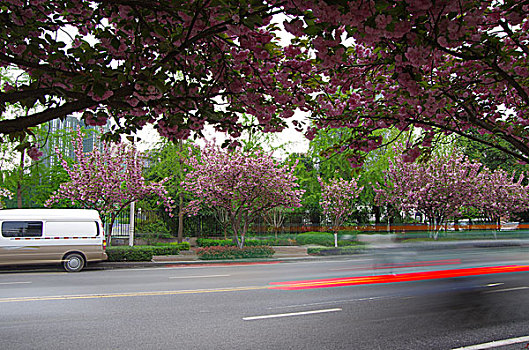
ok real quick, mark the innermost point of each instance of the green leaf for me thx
(315, 29)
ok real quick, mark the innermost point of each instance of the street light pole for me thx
(132, 210)
(131, 224)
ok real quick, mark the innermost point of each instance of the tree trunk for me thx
(109, 230)
(245, 225)
(19, 181)
(378, 214)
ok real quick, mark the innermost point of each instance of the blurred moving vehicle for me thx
(71, 237)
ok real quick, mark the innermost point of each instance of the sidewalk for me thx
(282, 254)
(297, 253)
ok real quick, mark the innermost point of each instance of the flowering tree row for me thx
(451, 66)
(244, 185)
(107, 180)
(445, 185)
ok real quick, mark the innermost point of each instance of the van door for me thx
(20, 245)
(81, 236)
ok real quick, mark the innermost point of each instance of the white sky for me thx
(294, 141)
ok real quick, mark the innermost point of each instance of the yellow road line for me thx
(131, 294)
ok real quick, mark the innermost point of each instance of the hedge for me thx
(207, 242)
(230, 252)
(359, 248)
(139, 253)
(319, 238)
(325, 239)
(181, 246)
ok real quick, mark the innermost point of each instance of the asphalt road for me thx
(265, 306)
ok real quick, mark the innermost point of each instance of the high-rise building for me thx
(59, 134)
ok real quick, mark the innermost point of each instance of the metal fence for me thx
(121, 227)
(206, 225)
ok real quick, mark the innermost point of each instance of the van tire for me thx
(73, 262)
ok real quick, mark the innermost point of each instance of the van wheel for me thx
(73, 262)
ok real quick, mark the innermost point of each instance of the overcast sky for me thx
(295, 141)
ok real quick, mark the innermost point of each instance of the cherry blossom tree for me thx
(169, 63)
(445, 66)
(446, 184)
(501, 195)
(438, 188)
(338, 198)
(107, 180)
(244, 184)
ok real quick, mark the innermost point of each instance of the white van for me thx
(72, 237)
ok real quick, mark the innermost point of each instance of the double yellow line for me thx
(131, 294)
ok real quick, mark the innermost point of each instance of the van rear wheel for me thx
(73, 262)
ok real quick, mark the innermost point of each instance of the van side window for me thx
(22, 229)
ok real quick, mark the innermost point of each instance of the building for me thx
(58, 135)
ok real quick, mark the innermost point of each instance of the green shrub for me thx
(181, 246)
(359, 248)
(277, 241)
(345, 243)
(126, 253)
(207, 242)
(327, 239)
(166, 250)
(319, 238)
(157, 227)
(230, 252)
(140, 253)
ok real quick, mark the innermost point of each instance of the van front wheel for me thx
(73, 262)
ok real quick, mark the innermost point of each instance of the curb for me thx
(179, 263)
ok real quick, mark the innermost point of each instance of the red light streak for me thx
(404, 277)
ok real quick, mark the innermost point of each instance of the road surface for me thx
(361, 302)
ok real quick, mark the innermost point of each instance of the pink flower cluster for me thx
(34, 153)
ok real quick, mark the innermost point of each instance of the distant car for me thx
(71, 237)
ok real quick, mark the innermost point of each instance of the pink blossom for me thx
(34, 153)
